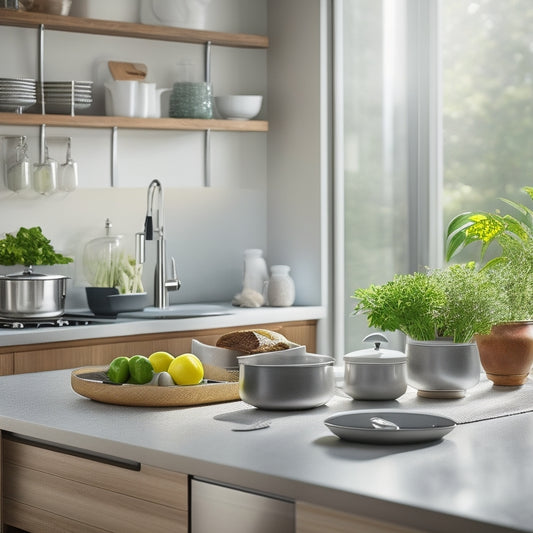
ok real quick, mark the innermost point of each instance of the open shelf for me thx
(91, 121)
(23, 19)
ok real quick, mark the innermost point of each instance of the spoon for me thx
(382, 423)
(260, 424)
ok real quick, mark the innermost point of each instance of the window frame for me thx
(424, 145)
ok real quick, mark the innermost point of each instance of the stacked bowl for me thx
(17, 94)
(65, 97)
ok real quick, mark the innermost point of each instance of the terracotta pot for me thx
(507, 353)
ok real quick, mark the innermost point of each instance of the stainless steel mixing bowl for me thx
(283, 381)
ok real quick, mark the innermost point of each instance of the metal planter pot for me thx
(28, 295)
(441, 368)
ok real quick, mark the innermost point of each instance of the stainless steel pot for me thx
(32, 295)
(284, 381)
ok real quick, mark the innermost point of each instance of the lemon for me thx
(186, 369)
(160, 361)
(141, 370)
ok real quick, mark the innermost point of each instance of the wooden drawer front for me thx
(317, 519)
(100, 354)
(6, 364)
(74, 354)
(51, 488)
(301, 332)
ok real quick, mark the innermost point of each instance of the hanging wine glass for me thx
(68, 173)
(17, 166)
(45, 175)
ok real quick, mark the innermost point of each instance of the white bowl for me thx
(239, 106)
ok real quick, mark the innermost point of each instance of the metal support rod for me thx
(41, 66)
(114, 162)
(207, 136)
(207, 159)
(42, 136)
(208, 62)
(42, 143)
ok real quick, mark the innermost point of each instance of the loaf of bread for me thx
(252, 341)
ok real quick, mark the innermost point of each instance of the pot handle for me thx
(376, 338)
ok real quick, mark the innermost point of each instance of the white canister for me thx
(255, 270)
(281, 291)
(179, 13)
(120, 10)
(122, 98)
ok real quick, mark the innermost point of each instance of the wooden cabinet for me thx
(72, 354)
(317, 519)
(45, 488)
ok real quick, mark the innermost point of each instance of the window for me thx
(487, 103)
(435, 117)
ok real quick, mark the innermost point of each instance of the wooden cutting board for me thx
(121, 70)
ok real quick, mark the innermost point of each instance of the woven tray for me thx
(150, 395)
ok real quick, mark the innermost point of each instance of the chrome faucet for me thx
(154, 225)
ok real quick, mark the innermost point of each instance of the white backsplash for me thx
(207, 228)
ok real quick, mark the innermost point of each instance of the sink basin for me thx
(178, 311)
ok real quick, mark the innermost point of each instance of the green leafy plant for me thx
(509, 231)
(29, 247)
(513, 274)
(459, 302)
(512, 269)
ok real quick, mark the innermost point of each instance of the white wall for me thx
(298, 147)
(269, 190)
(207, 229)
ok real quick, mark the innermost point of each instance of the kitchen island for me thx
(479, 478)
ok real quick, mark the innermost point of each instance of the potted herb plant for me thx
(507, 352)
(440, 312)
(28, 294)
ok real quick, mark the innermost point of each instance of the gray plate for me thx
(414, 426)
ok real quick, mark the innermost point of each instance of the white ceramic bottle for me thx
(255, 270)
(281, 291)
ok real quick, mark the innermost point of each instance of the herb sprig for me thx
(29, 247)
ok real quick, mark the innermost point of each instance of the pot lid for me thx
(28, 274)
(375, 355)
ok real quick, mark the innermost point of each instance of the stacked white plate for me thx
(64, 97)
(17, 94)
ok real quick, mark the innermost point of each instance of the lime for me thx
(186, 369)
(141, 370)
(160, 361)
(119, 370)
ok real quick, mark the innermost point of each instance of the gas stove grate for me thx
(33, 323)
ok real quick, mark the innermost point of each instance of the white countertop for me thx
(237, 317)
(479, 478)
